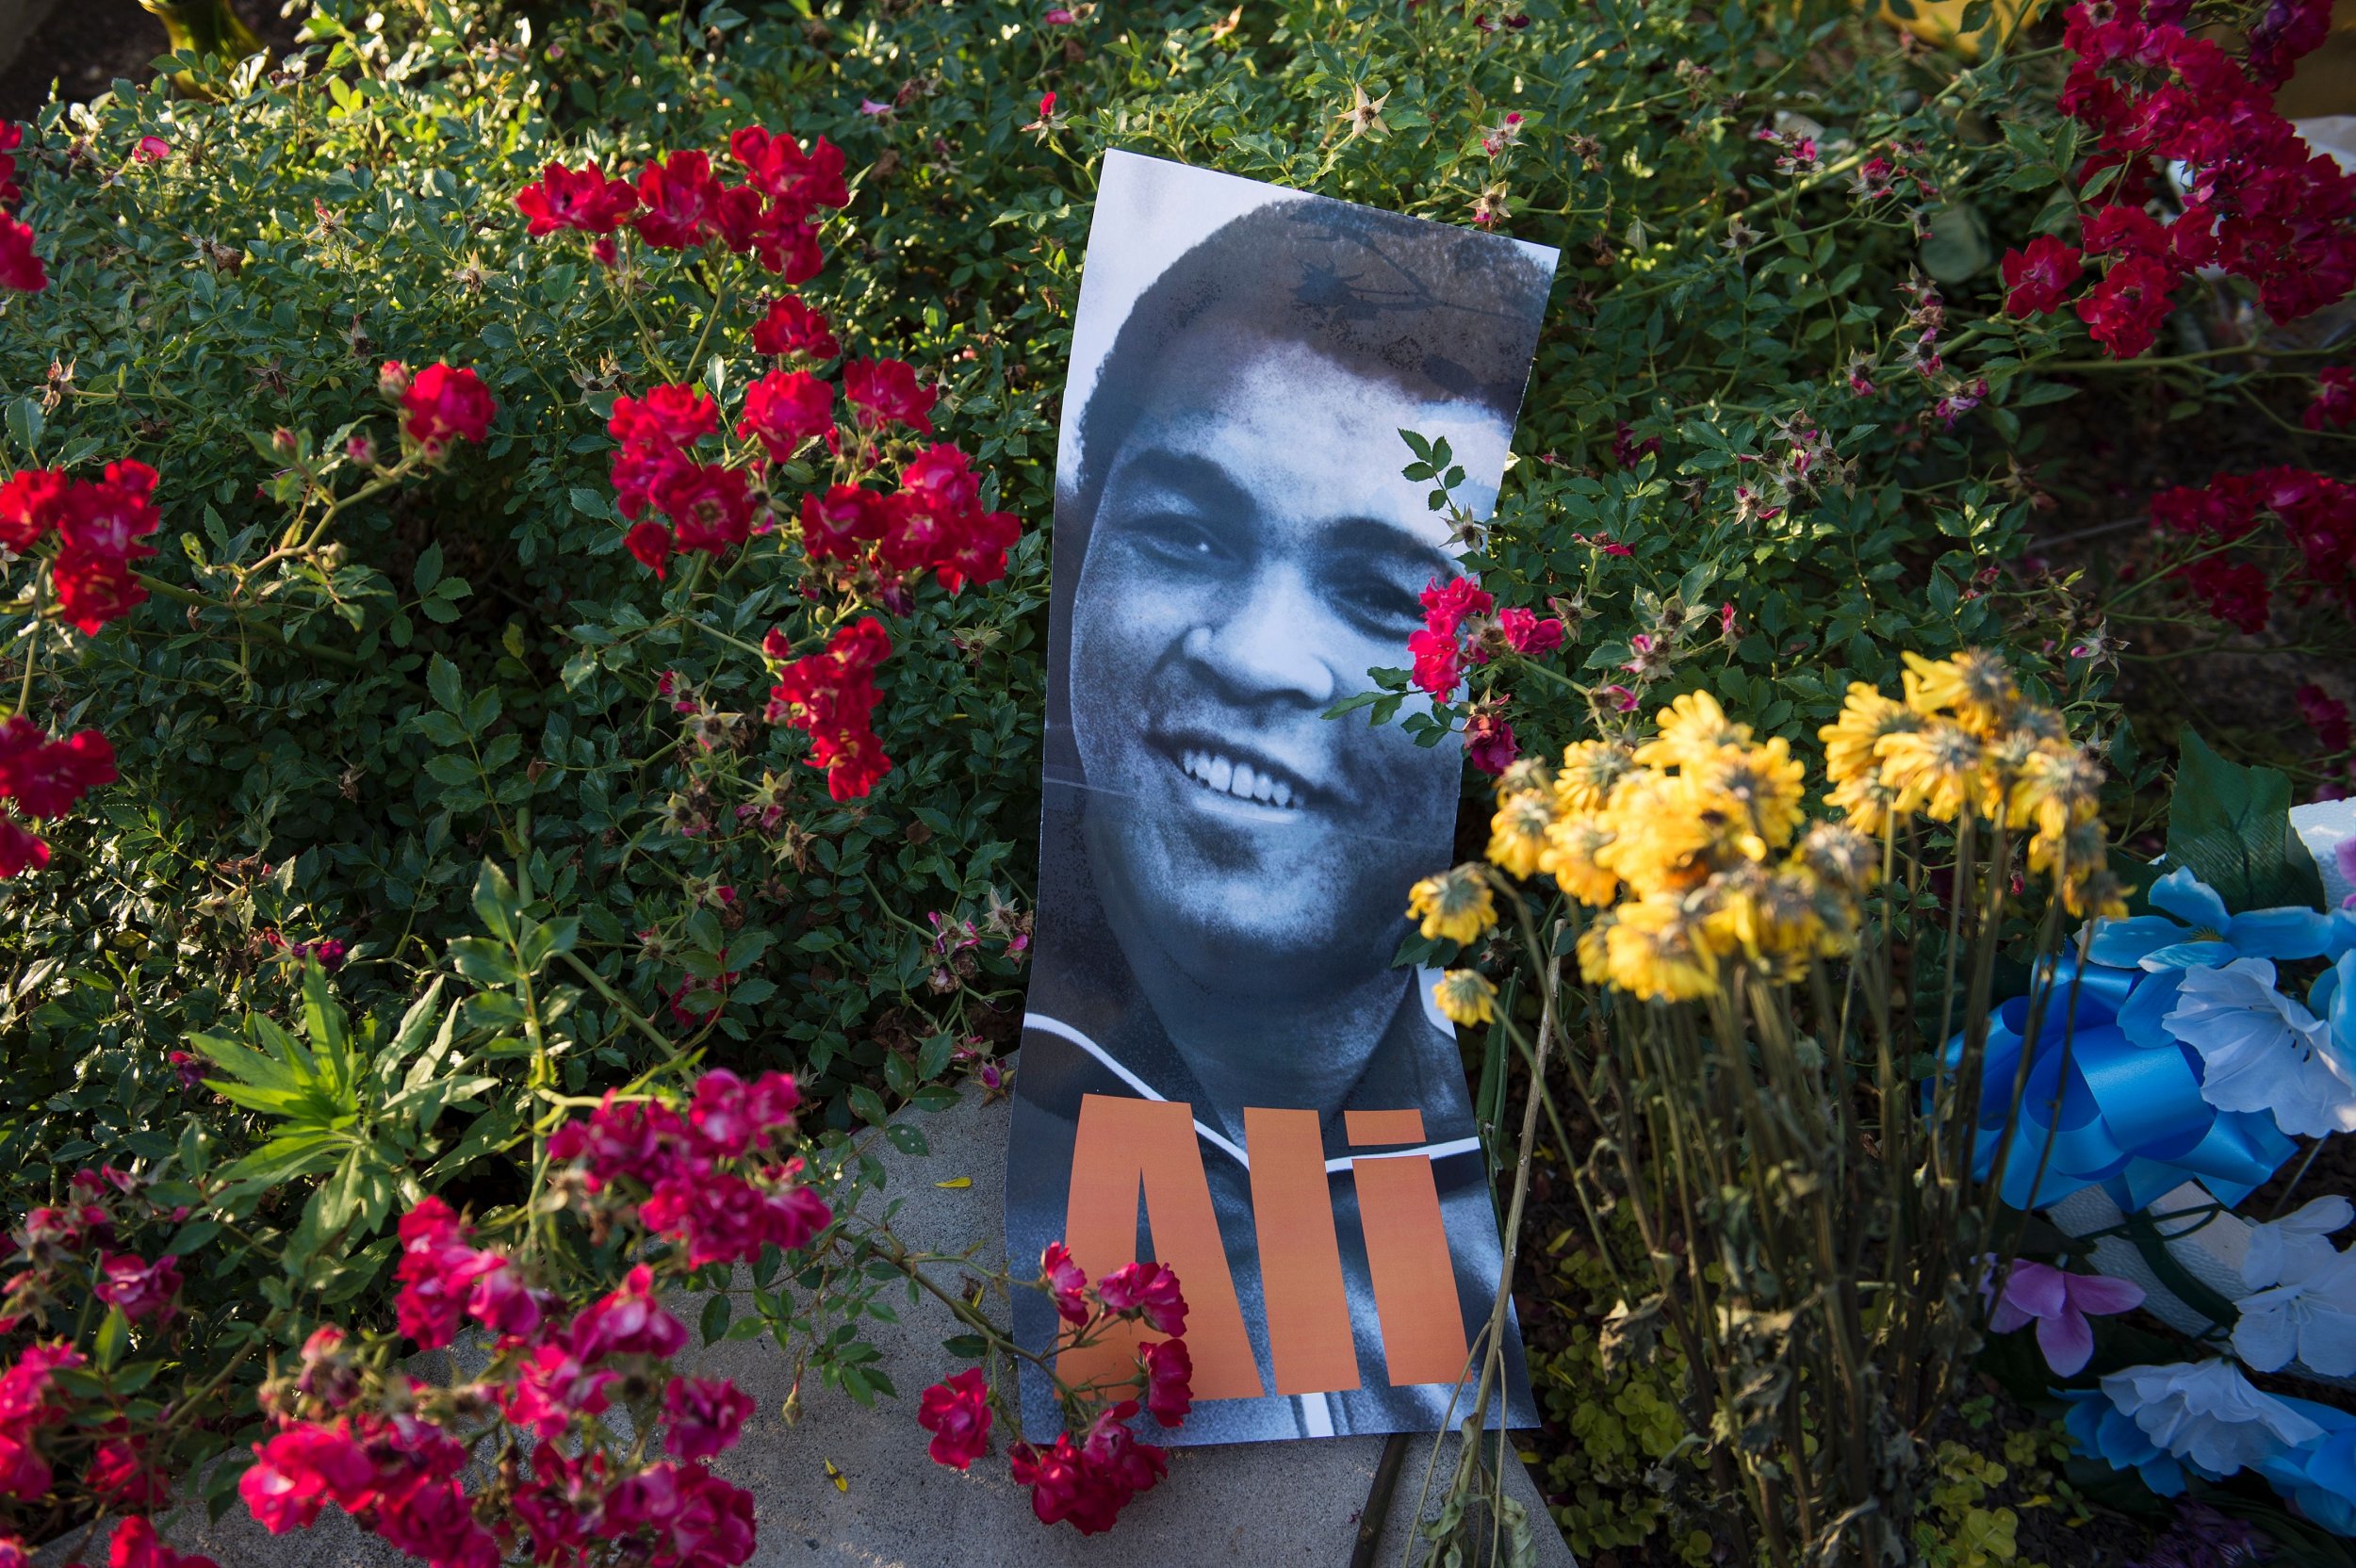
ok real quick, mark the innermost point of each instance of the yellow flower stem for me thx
(2040, 994)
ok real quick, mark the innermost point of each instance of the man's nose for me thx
(1265, 646)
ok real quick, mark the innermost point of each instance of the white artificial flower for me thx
(2277, 1247)
(2261, 1051)
(2206, 1411)
(2311, 1316)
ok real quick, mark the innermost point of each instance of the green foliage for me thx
(1610, 1483)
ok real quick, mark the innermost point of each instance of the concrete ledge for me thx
(1286, 1502)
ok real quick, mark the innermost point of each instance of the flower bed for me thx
(527, 556)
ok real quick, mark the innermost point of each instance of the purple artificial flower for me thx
(2057, 1303)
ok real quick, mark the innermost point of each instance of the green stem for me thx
(615, 1000)
(32, 644)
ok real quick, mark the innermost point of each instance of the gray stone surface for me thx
(1276, 1503)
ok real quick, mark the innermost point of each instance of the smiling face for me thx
(1254, 553)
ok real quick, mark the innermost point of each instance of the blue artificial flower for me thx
(2319, 1476)
(2205, 936)
(2098, 1430)
(2333, 999)
(2205, 933)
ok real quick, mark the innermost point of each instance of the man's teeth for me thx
(1237, 780)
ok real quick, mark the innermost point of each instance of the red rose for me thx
(95, 589)
(20, 269)
(786, 408)
(2326, 715)
(835, 526)
(2334, 406)
(652, 544)
(706, 1415)
(446, 403)
(677, 415)
(134, 1545)
(299, 1471)
(1168, 1379)
(585, 199)
(957, 1413)
(1065, 1284)
(682, 202)
(1489, 742)
(627, 1322)
(45, 776)
(142, 1289)
(551, 1387)
(2235, 591)
(777, 167)
(976, 549)
(1447, 605)
(19, 850)
(1148, 1289)
(710, 506)
(2040, 276)
(886, 391)
(942, 483)
(120, 1473)
(31, 505)
(1434, 655)
(792, 327)
(1526, 634)
(111, 518)
(2123, 312)
(2119, 230)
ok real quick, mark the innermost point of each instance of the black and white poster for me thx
(1221, 1068)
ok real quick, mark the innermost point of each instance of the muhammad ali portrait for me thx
(1224, 869)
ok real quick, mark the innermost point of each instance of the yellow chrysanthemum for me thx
(2078, 848)
(1517, 833)
(1656, 949)
(1936, 770)
(1594, 948)
(2044, 726)
(1590, 771)
(1573, 843)
(1775, 918)
(1865, 718)
(2097, 895)
(1456, 905)
(1976, 686)
(1661, 833)
(1524, 774)
(2055, 790)
(1691, 728)
(1465, 997)
(1762, 785)
(1841, 858)
(1866, 800)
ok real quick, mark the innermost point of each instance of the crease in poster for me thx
(1221, 1068)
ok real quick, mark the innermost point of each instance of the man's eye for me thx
(1177, 539)
(1383, 604)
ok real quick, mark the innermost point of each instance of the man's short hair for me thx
(1446, 313)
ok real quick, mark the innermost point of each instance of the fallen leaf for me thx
(956, 1182)
(842, 1481)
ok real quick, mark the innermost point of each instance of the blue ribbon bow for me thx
(2125, 1114)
